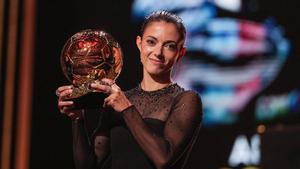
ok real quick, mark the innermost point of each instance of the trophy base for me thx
(91, 100)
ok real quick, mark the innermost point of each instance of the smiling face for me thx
(160, 47)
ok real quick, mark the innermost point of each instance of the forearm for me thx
(158, 149)
(83, 154)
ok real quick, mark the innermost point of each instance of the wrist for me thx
(127, 109)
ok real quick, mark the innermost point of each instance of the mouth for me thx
(156, 61)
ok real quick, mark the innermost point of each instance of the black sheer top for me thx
(160, 112)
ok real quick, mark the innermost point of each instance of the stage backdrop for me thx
(243, 60)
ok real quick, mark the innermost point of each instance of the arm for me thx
(179, 128)
(82, 150)
(88, 155)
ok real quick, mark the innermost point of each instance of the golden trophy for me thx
(87, 57)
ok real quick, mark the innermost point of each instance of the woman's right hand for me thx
(67, 106)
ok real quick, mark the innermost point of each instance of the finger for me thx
(101, 87)
(65, 94)
(108, 101)
(71, 112)
(108, 81)
(61, 107)
(67, 109)
(115, 88)
(65, 103)
(62, 88)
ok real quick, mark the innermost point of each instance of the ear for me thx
(181, 53)
(138, 42)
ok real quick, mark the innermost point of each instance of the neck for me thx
(152, 83)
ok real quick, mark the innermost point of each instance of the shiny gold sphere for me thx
(89, 56)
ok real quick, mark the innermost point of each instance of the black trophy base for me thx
(92, 100)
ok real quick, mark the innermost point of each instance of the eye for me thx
(171, 46)
(150, 42)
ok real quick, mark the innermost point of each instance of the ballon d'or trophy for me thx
(89, 56)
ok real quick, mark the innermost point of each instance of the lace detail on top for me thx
(154, 104)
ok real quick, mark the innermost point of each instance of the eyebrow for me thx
(168, 41)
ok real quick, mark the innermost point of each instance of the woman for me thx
(151, 126)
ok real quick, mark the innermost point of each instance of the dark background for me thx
(57, 20)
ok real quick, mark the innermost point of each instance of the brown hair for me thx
(163, 15)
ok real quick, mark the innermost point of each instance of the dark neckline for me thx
(158, 91)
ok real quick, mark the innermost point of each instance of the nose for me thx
(158, 51)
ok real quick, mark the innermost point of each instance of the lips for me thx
(156, 61)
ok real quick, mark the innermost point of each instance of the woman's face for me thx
(160, 47)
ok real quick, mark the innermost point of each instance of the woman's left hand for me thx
(116, 97)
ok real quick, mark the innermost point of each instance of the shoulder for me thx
(188, 100)
(188, 95)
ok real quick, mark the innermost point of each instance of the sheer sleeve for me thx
(83, 155)
(90, 151)
(183, 121)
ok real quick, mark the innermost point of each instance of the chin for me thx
(159, 72)
(156, 70)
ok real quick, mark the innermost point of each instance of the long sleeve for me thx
(83, 154)
(184, 118)
(90, 144)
